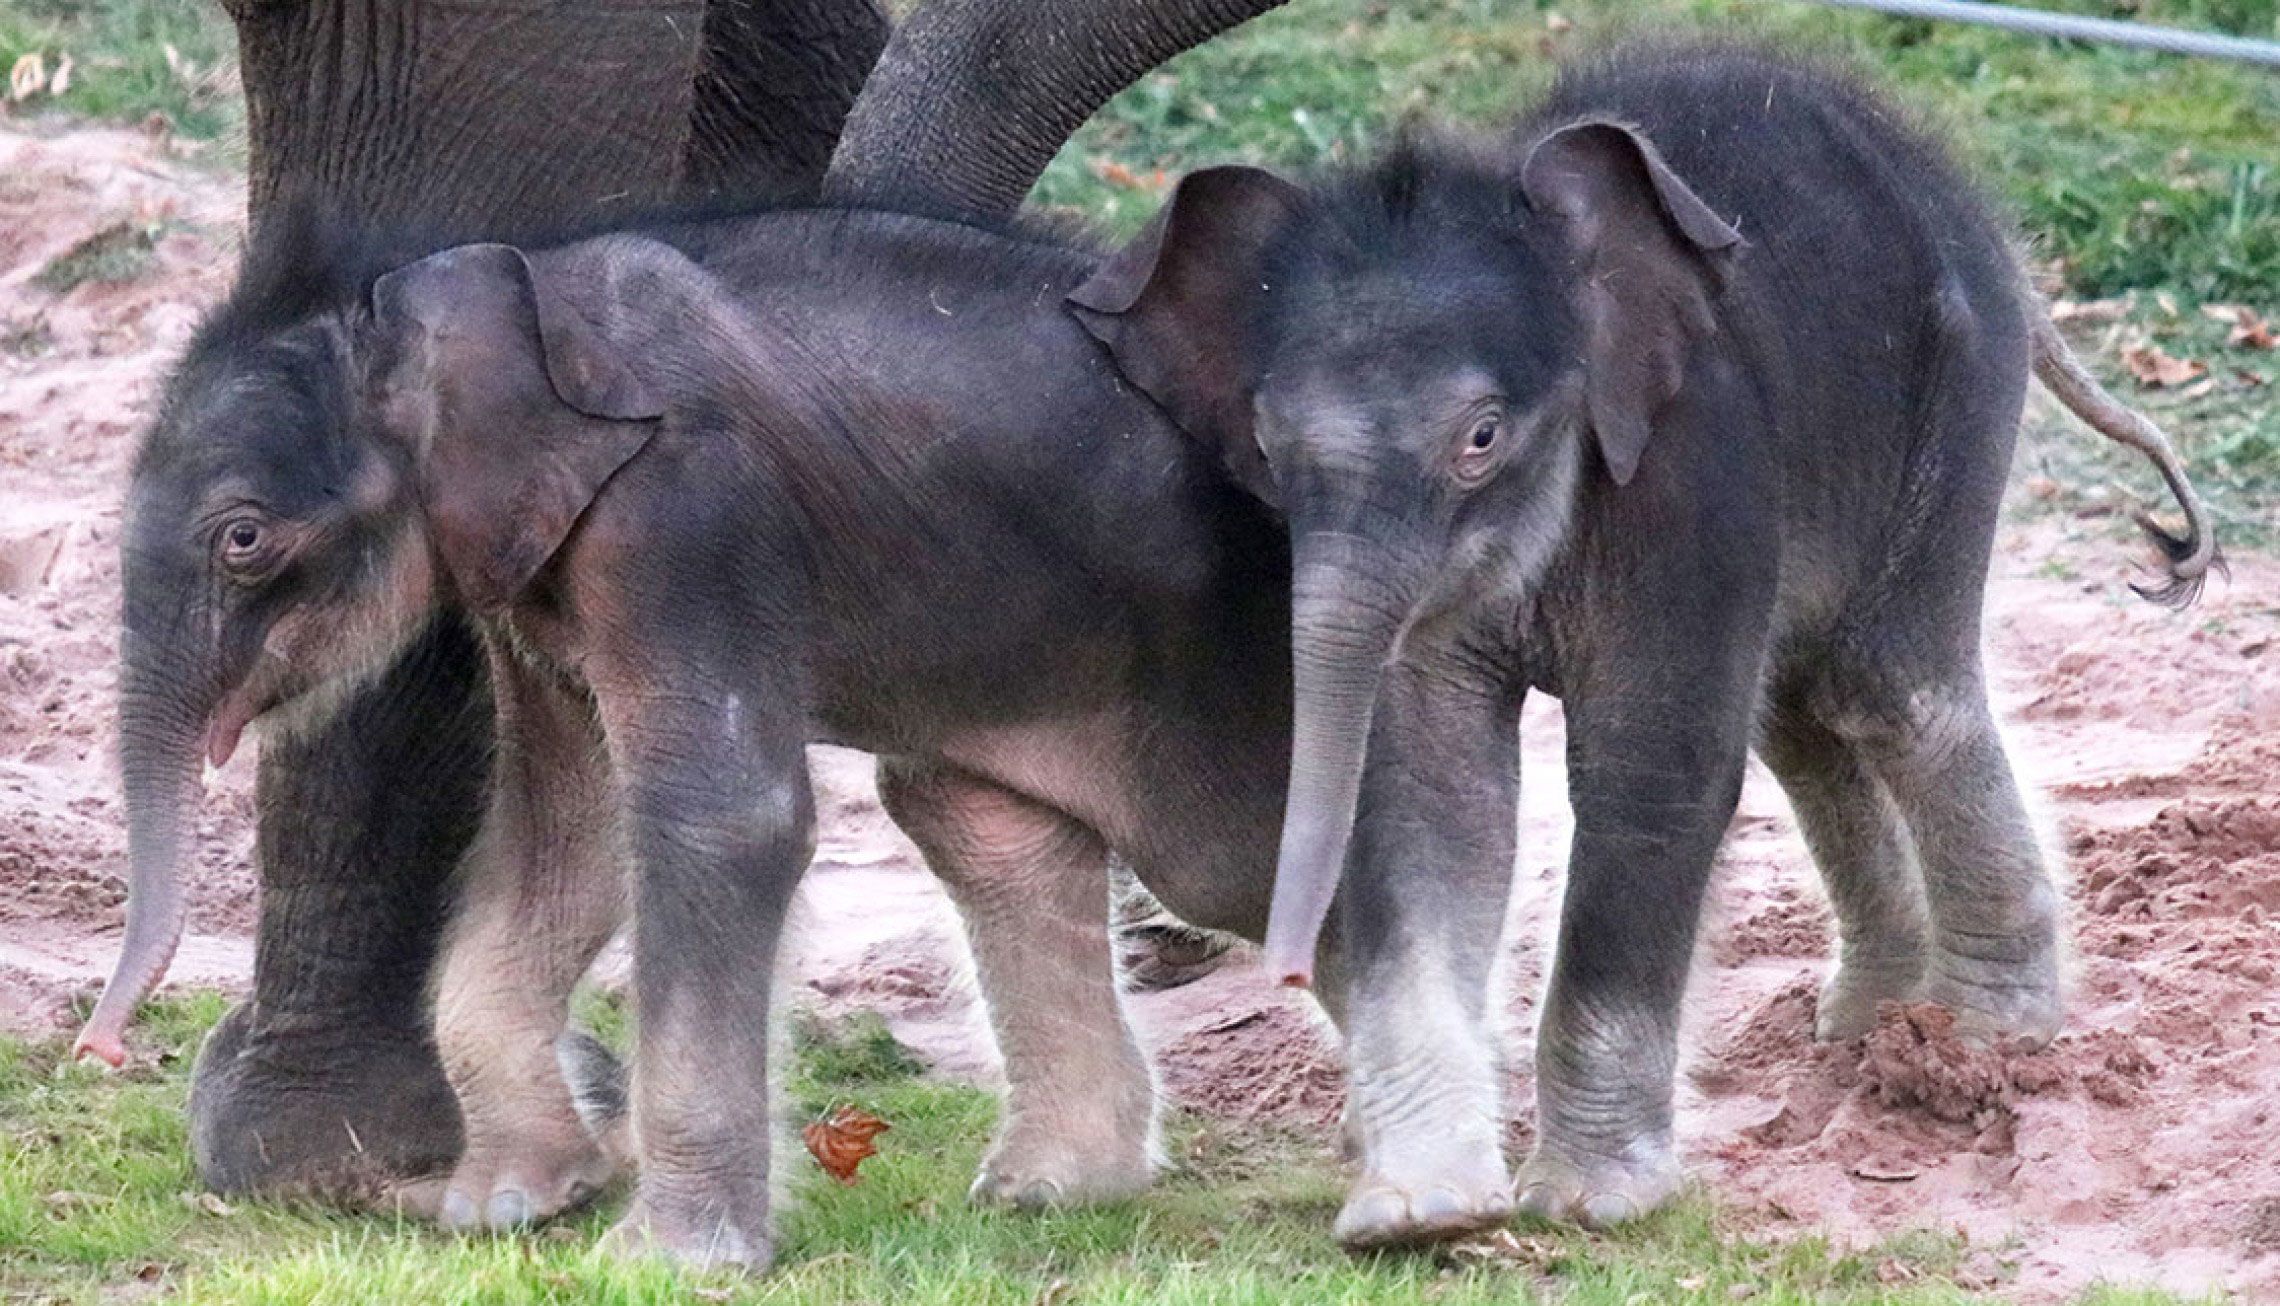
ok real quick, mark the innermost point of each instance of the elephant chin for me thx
(339, 1121)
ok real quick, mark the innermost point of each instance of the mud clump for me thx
(1915, 1059)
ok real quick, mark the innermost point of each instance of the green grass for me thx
(121, 71)
(97, 1199)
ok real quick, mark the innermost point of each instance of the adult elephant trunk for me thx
(1345, 621)
(974, 97)
(162, 747)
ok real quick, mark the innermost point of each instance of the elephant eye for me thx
(245, 546)
(1477, 454)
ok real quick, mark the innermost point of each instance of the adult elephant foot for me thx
(1849, 1000)
(2017, 1005)
(1599, 1192)
(339, 1114)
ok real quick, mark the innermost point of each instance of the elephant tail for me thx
(2188, 558)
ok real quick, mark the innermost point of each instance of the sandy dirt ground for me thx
(2138, 1147)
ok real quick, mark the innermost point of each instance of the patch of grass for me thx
(117, 253)
(2128, 169)
(98, 1200)
(121, 69)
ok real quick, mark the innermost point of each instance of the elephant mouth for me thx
(236, 711)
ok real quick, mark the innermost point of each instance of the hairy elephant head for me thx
(1416, 365)
(368, 465)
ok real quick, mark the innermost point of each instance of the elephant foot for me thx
(1389, 1210)
(1599, 1193)
(1849, 1001)
(1032, 1172)
(693, 1241)
(513, 1184)
(2015, 1006)
(341, 1115)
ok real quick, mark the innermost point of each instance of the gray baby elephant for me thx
(708, 493)
(1689, 402)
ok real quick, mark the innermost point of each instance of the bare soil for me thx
(2138, 1147)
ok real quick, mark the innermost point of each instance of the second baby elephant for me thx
(1689, 402)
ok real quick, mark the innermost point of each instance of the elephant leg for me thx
(326, 1081)
(1406, 973)
(720, 815)
(543, 891)
(1654, 778)
(1994, 957)
(1031, 883)
(1861, 847)
(774, 83)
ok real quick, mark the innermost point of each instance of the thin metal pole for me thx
(2038, 22)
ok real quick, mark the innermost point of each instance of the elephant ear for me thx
(522, 398)
(1177, 307)
(1645, 243)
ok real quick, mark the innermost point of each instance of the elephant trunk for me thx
(161, 745)
(974, 97)
(1345, 621)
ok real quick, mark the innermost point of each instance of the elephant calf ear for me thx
(1176, 307)
(1644, 240)
(527, 401)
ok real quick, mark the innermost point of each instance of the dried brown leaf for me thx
(27, 77)
(841, 1140)
(2155, 367)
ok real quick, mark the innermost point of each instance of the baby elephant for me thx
(1689, 402)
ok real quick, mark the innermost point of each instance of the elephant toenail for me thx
(1606, 1210)
(1440, 1208)
(508, 1208)
(1038, 1194)
(1543, 1201)
(458, 1210)
(1372, 1217)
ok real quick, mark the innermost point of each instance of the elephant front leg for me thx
(1420, 917)
(1032, 886)
(1653, 786)
(721, 817)
(542, 893)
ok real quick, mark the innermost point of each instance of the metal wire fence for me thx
(2040, 22)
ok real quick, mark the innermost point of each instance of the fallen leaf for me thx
(61, 82)
(64, 1199)
(1116, 174)
(2091, 310)
(2155, 367)
(27, 77)
(2249, 378)
(1555, 21)
(1891, 1270)
(841, 1140)
(2252, 332)
(1055, 1293)
(2205, 385)
(210, 1203)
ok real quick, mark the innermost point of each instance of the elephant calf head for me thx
(321, 483)
(1414, 375)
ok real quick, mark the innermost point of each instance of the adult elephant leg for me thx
(327, 1081)
(473, 120)
(773, 88)
(1420, 915)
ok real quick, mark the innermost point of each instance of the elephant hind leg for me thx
(1994, 911)
(1861, 846)
(542, 892)
(1031, 883)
